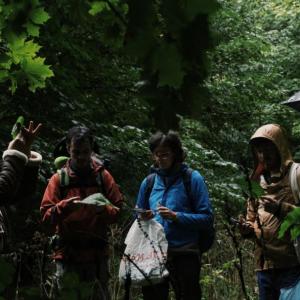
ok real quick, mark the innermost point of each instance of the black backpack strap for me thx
(149, 186)
(64, 181)
(100, 182)
(207, 235)
(187, 182)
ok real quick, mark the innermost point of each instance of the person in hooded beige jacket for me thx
(276, 261)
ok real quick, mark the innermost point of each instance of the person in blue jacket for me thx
(170, 205)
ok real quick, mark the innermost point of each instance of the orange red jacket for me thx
(83, 224)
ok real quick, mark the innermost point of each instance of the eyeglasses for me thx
(162, 155)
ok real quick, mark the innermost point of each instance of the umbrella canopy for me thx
(293, 102)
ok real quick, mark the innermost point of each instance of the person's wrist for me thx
(15, 153)
(19, 145)
(35, 159)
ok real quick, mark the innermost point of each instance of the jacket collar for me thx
(174, 171)
(94, 168)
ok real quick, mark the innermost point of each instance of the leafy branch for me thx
(291, 224)
(19, 60)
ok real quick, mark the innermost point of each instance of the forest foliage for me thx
(213, 70)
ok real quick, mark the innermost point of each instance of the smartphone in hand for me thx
(17, 127)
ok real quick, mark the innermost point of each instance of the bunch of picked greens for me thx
(97, 199)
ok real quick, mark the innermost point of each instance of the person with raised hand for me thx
(18, 175)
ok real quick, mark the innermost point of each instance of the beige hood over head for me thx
(272, 252)
(276, 134)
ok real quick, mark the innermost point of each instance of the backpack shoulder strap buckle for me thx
(64, 178)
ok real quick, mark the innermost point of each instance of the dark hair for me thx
(171, 139)
(260, 141)
(78, 134)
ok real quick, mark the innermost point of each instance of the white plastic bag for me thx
(145, 254)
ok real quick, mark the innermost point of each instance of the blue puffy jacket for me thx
(192, 214)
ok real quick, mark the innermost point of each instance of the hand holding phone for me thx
(234, 221)
(146, 214)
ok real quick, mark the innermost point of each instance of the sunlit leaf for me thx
(32, 29)
(97, 7)
(37, 72)
(39, 16)
(295, 232)
(283, 228)
(21, 48)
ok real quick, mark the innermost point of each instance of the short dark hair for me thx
(171, 139)
(78, 134)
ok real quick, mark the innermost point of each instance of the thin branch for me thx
(238, 266)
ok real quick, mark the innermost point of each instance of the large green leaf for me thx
(36, 67)
(97, 7)
(33, 30)
(284, 228)
(39, 16)
(36, 71)
(21, 48)
(291, 221)
(295, 232)
(20, 21)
